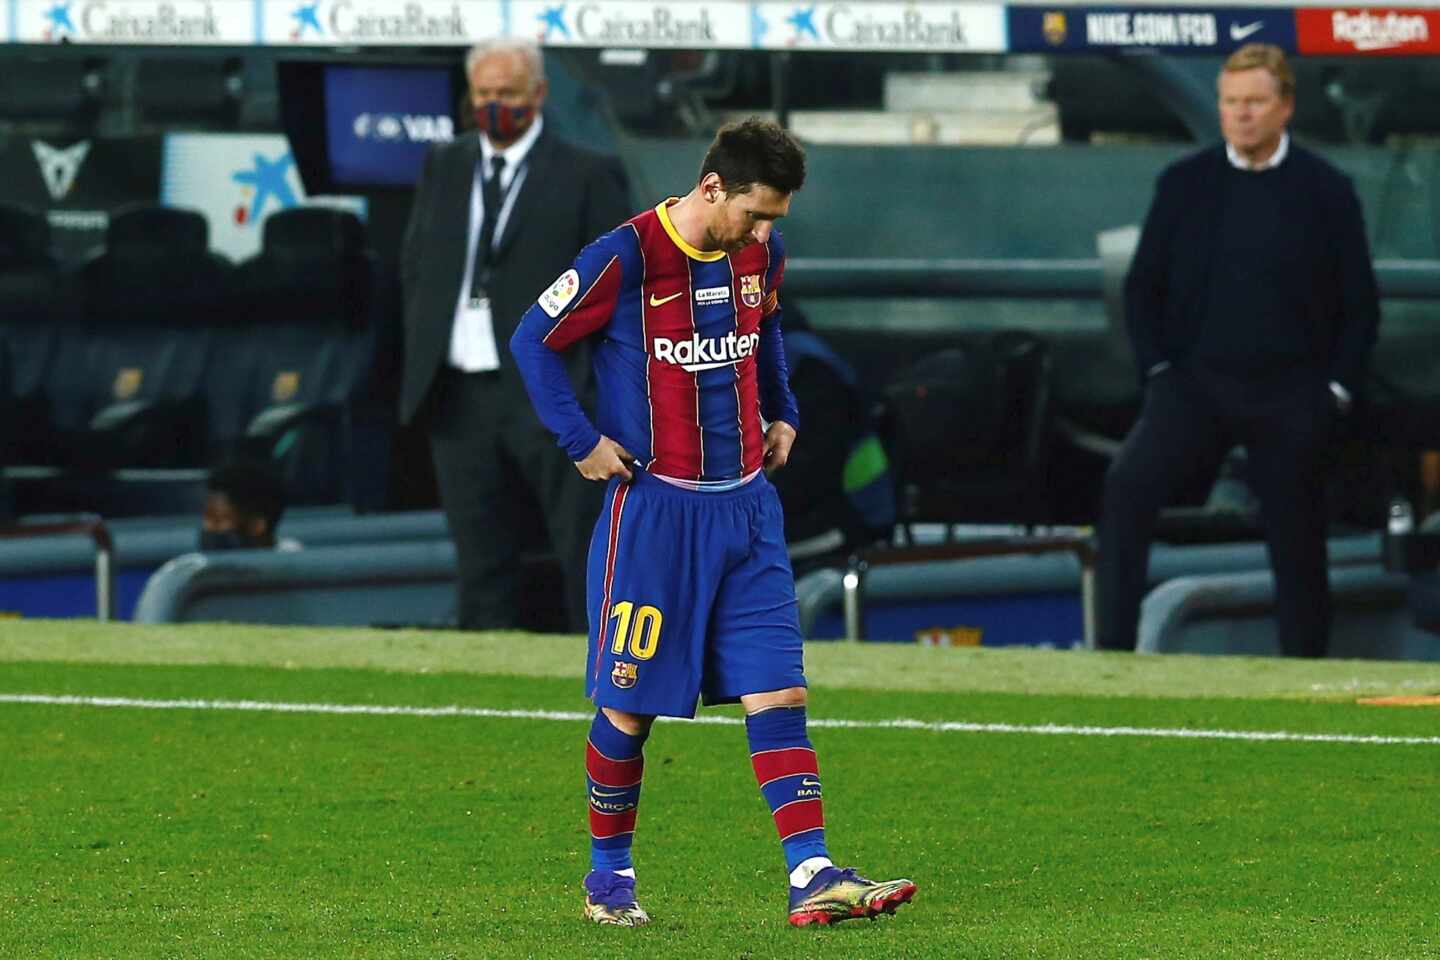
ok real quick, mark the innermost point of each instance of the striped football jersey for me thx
(686, 347)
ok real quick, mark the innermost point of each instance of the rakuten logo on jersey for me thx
(705, 353)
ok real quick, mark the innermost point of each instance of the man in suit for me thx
(1252, 308)
(499, 213)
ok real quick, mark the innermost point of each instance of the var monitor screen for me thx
(358, 127)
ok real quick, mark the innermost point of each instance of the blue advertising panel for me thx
(379, 121)
(1170, 29)
(1053, 620)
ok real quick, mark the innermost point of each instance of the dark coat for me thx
(1166, 289)
(570, 196)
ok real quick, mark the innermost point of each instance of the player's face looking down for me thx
(740, 219)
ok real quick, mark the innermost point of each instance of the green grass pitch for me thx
(133, 832)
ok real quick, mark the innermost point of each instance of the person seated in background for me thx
(243, 505)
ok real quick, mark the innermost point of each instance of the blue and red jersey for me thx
(686, 347)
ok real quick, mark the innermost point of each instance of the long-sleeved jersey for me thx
(687, 350)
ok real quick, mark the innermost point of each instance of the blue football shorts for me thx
(691, 596)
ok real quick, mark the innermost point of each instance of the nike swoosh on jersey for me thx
(660, 303)
(807, 782)
(609, 793)
(1238, 32)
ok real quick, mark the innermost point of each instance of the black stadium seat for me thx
(32, 309)
(313, 270)
(53, 92)
(24, 237)
(126, 385)
(295, 381)
(194, 92)
(157, 269)
(966, 429)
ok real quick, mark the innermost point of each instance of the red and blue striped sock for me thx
(789, 778)
(614, 767)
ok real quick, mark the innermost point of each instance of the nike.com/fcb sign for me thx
(1171, 29)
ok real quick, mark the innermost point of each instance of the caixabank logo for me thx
(59, 25)
(880, 26)
(595, 24)
(236, 181)
(264, 180)
(135, 21)
(376, 21)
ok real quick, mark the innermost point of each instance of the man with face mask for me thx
(497, 214)
(243, 504)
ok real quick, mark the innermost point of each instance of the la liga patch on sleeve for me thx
(561, 292)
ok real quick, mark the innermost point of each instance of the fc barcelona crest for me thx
(285, 386)
(127, 383)
(1054, 27)
(625, 674)
(750, 291)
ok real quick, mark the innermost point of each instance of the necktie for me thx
(492, 199)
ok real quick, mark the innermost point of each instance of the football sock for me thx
(805, 872)
(614, 766)
(789, 779)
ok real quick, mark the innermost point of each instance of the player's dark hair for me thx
(754, 151)
(252, 487)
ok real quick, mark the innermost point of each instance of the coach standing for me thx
(497, 215)
(1252, 309)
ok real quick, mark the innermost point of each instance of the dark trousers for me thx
(1187, 424)
(488, 444)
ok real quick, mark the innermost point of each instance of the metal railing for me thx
(95, 529)
(1023, 278)
(853, 582)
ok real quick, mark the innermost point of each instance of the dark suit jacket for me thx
(570, 196)
(1165, 291)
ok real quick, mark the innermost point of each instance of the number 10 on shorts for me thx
(639, 627)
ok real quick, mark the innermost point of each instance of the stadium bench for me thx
(411, 583)
(1233, 613)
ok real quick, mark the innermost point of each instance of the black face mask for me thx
(212, 540)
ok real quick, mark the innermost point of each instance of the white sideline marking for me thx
(947, 726)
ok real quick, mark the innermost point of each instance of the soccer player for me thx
(691, 594)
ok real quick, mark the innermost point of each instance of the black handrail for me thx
(1025, 278)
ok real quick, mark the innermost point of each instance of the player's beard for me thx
(729, 245)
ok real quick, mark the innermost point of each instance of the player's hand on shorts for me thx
(778, 440)
(607, 460)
